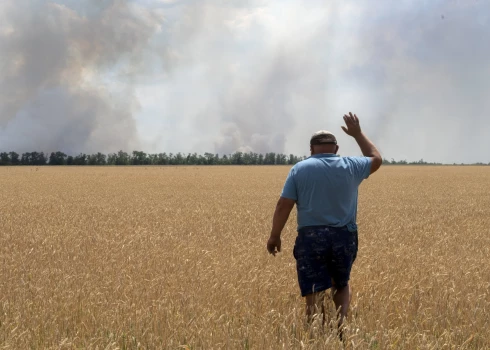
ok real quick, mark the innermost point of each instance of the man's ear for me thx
(336, 149)
(311, 149)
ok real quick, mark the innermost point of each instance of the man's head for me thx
(323, 141)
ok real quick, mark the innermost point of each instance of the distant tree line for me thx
(404, 162)
(421, 162)
(142, 158)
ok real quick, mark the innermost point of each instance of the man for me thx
(325, 190)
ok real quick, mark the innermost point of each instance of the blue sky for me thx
(257, 75)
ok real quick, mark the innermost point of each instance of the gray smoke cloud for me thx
(67, 74)
(248, 84)
(426, 66)
(255, 75)
(264, 75)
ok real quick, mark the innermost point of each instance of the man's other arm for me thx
(281, 215)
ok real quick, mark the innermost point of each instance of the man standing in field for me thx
(325, 190)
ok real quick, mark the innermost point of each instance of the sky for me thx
(251, 75)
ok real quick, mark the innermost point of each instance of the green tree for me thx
(293, 159)
(209, 158)
(179, 159)
(122, 158)
(225, 160)
(139, 158)
(171, 159)
(33, 158)
(270, 158)
(14, 158)
(281, 159)
(162, 159)
(237, 158)
(100, 159)
(153, 159)
(247, 158)
(91, 159)
(111, 158)
(57, 158)
(81, 159)
(26, 158)
(260, 160)
(4, 158)
(192, 159)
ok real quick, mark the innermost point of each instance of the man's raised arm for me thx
(368, 149)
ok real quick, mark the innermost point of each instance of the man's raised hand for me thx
(352, 122)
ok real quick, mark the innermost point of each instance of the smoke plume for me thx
(254, 75)
(58, 67)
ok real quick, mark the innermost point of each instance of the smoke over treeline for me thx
(67, 74)
(256, 75)
(264, 75)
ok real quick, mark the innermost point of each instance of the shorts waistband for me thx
(306, 229)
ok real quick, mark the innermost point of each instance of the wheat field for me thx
(175, 258)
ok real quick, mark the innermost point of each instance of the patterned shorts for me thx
(323, 254)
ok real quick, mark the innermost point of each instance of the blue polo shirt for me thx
(325, 188)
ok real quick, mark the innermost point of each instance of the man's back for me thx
(325, 187)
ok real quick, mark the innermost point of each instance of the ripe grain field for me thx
(175, 258)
